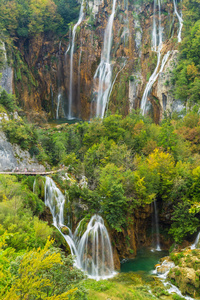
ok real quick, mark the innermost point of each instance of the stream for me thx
(144, 264)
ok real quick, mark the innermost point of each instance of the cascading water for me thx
(157, 47)
(81, 16)
(55, 200)
(156, 222)
(59, 97)
(92, 249)
(196, 243)
(163, 277)
(58, 105)
(104, 70)
(179, 19)
(79, 77)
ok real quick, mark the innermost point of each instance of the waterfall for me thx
(59, 83)
(157, 47)
(79, 78)
(195, 245)
(179, 19)
(92, 249)
(104, 70)
(155, 226)
(81, 16)
(55, 200)
(58, 106)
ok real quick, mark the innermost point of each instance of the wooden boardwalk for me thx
(32, 173)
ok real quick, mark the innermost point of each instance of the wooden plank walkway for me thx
(32, 173)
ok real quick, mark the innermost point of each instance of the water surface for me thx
(144, 261)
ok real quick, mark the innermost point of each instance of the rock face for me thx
(13, 157)
(134, 89)
(44, 83)
(163, 90)
(165, 266)
(6, 81)
(126, 242)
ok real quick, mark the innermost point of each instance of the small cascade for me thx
(163, 277)
(179, 19)
(155, 224)
(104, 70)
(196, 242)
(92, 248)
(81, 16)
(55, 200)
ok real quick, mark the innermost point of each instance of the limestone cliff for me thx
(42, 64)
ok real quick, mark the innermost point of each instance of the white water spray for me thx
(179, 19)
(81, 16)
(104, 70)
(58, 106)
(92, 249)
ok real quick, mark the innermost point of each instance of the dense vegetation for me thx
(31, 264)
(128, 162)
(187, 80)
(27, 18)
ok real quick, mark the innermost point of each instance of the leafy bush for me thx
(8, 101)
(21, 133)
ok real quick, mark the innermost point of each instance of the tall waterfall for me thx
(92, 249)
(157, 47)
(104, 70)
(156, 222)
(81, 16)
(59, 84)
(157, 44)
(179, 19)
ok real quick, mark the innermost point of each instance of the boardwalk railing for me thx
(32, 173)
